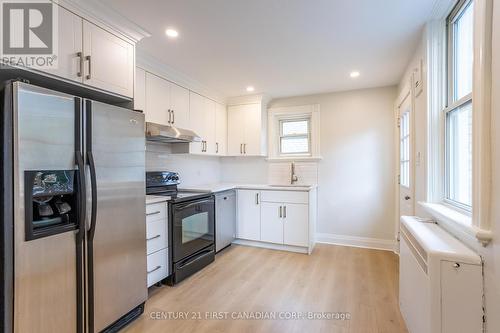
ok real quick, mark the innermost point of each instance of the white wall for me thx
(193, 170)
(356, 176)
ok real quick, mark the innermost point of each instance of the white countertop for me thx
(152, 199)
(220, 187)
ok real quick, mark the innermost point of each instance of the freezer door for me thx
(46, 130)
(117, 279)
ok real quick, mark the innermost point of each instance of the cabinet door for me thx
(209, 130)
(70, 43)
(253, 129)
(110, 63)
(179, 103)
(235, 129)
(271, 222)
(140, 89)
(197, 107)
(157, 100)
(220, 129)
(296, 225)
(248, 221)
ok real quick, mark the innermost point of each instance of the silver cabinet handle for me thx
(173, 117)
(169, 116)
(82, 62)
(244, 148)
(216, 147)
(153, 213)
(281, 212)
(241, 148)
(155, 237)
(154, 269)
(284, 212)
(256, 198)
(89, 58)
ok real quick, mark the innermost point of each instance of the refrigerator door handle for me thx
(93, 187)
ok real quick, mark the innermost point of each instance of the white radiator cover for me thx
(440, 281)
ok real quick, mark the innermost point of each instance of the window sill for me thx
(457, 222)
(294, 158)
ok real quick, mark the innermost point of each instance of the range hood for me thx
(169, 134)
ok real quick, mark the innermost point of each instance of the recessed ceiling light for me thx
(171, 33)
(250, 88)
(354, 74)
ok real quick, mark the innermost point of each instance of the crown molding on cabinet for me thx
(103, 15)
(155, 66)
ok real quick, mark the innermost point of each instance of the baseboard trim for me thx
(362, 242)
(271, 246)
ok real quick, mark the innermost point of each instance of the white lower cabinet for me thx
(283, 218)
(157, 266)
(248, 222)
(157, 242)
(271, 222)
(296, 224)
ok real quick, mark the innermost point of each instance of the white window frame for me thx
(281, 136)
(277, 115)
(477, 225)
(453, 105)
(404, 141)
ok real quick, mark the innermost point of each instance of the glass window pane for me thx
(463, 52)
(459, 142)
(295, 145)
(294, 127)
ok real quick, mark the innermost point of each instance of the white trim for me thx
(271, 246)
(311, 111)
(481, 113)
(457, 223)
(362, 242)
(103, 15)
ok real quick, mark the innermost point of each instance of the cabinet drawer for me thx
(285, 197)
(156, 235)
(157, 211)
(157, 266)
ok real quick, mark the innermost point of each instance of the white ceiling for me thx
(282, 47)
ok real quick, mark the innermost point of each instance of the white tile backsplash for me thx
(279, 173)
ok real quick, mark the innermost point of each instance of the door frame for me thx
(406, 92)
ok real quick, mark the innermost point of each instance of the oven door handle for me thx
(192, 204)
(194, 259)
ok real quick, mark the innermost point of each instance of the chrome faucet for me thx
(293, 176)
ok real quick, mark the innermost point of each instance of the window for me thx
(295, 138)
(458, 113)
(405, 149)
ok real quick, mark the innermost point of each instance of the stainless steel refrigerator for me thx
(73, 210)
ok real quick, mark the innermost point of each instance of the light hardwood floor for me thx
(360, 282)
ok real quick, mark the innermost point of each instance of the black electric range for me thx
(191, 224)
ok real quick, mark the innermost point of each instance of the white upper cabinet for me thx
(197, 121)
(247, 130)
(109, 61)
(140, 89)
(235, 130)
(203, 118)
(166, 103)
(220, 129)
(179, 106)
(157, 100)
(70, 44)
